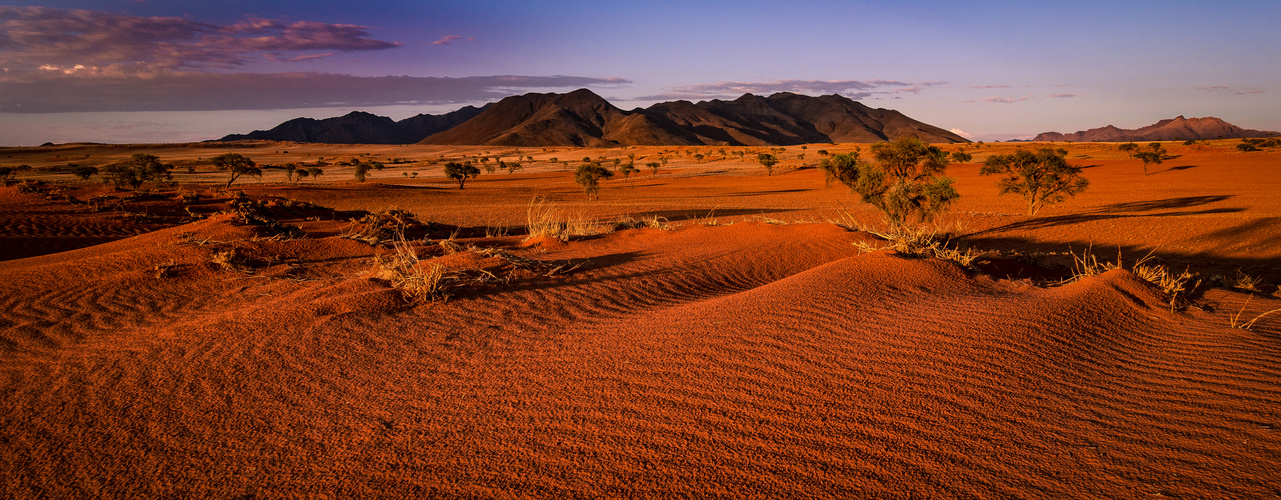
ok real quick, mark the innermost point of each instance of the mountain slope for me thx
(582, 118)
(359, 127)
(1179, 128)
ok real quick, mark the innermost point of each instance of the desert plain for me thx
(703, 330)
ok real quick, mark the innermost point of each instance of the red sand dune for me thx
(744, 360)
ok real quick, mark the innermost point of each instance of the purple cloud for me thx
(1061, 96)
(1232, 90)
(854, 89)
(112, 44)
(56, 91)
(1003, 100)
(989, 86)
(446, 40)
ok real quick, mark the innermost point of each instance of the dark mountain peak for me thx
(1178, 128)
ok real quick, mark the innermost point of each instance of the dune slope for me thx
(749, 360)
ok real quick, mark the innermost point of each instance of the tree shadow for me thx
(1181, 167)
(1122, 211)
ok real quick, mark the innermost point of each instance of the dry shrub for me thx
(652, 222)
(543, 219)
(233, 259)
(419, 281)
(1173, 285)
(379, 228)
(1236, 318)
(918, 241)
(1246, 282)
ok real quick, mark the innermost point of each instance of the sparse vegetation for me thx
(843, 167)
(907, 183)
(1042, 177)
(139, 169)
(1129, 148)
(589, 176)
(238, 165)
(768, 161)
(1156, 154)
(460, 172)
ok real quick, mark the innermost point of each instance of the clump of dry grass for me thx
(381, 227)
(929, 242)
(417, 280)
(1236, 318)
(233, 259)
(651, 222)
(543, 219)
(1246, 282)
(1173, 285)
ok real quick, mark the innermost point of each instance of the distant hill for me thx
(1165, 130)
(359, 127)
(582, 118)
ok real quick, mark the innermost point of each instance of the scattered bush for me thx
(1042, 177)
(238, 166)
(461, 172)
(589, 176)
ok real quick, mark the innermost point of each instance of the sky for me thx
(151, 71)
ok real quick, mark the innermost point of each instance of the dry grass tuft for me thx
(382, 227)
(1173, 285)
(1236, 318)
(543, 219)
(417, 280)
(233, 259)
(1246, 282)
(915, 241)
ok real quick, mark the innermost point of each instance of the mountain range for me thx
(1179, 128)
(582, 118)
(359, 127)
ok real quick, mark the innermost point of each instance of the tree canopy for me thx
(461, 172)
(238, 165)
(1042, 177)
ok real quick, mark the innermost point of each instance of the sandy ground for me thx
(151, 348)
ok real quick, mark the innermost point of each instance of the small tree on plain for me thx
(8, 173)
(1042, 177)
(907, 183)
(238, 165)
(461, 172)
(627, 169)
(289, 171)
(138, 169)
(961, 157)
(653, 167)
(315, 172)
(843, 167)
(301, 173)
(84, 172)
(513, 166)
(589, 175)
(768, 161)
(1129, 148)
(1156, 155)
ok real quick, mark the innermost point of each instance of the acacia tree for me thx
(768, 161)
(1129, 148)
(1043, 177)
(315, 172)
(961, 157)
(8, 173)
(84, 172)
(138, 169)
(627, 169)
(653, 167)
(461, 172)
(842, 167)
(289, 171)
(907, 182)
(238, 165)
(1155, 156)
(589, 175)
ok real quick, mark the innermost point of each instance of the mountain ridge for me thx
(1171, 129)
(582, 118)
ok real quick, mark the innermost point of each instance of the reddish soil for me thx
(156, 348)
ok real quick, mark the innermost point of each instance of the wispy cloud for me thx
(1004, 100)
(1061, 96)
(989, 86)
(1231, 90)
(446, 40)
(57, 92)
(854, 89)
(114, 44)
(961, 133)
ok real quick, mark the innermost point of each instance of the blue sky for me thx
(156, 71)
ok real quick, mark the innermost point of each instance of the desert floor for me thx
(708, 330)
